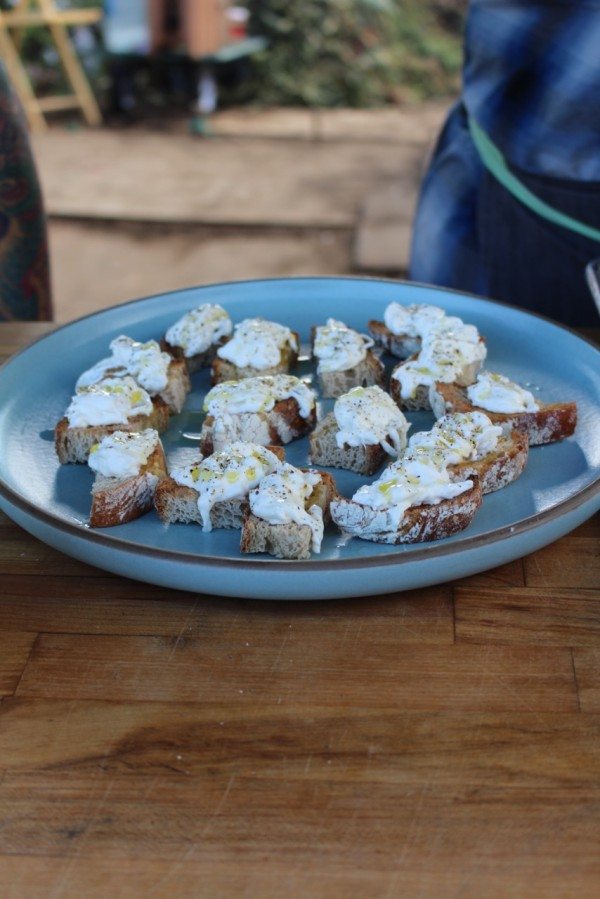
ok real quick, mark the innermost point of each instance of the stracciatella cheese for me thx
(199, 329)
(257, 343)
(495, 393)
(409, 482)
(112, 401)
(122, 453)
(281, 498)
(338, 348)
(258, 395)
(226, 475)
(414, 320)
(442, 358)
(366, 416)
(459, 437)
(143, 361)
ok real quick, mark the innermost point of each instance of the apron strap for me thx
(495, 163)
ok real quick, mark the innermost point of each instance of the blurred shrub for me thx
(356, 52)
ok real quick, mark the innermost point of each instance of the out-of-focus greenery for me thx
(356, 52)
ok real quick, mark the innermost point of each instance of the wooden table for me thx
(439, 743)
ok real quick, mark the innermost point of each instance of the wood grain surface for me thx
(439, 743)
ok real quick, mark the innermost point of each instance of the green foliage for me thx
(356, 52)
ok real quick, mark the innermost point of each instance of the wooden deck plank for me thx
(510, 575)
(22, 554)
(271, 659)
(573, 562)
(587, 672)
(471, 874)
(15, 648)
(120, 606)
(527, 616)
(71, 740)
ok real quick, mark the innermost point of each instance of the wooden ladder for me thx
(27, 13)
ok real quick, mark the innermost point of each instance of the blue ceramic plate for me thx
(559, 489)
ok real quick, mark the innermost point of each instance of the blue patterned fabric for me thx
(532, 82)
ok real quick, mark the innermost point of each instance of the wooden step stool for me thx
(27, 13)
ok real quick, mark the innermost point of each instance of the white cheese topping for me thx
(258, 395)
(367, 416)
(442, 358)
(414, 320)
(281, 498)
(199, 329)
(338, 348)
(458, 437)
(409, 482)
(143, 361)
(257, 343)
(112, 401)
(230, 474)
(497, 394)
(122, 454)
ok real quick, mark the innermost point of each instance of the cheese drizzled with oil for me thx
(122, 454)
(281, 498)
(443, 357)
(366, 416)
(338, 348)
(258, 395)
(495, 393)
(409, 482)
(112, 401)
(226, 475)
(199, 329)
(458, 437)
(257, 343)
(143, 361)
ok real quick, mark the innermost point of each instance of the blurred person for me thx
(510, 205)
(24, 267)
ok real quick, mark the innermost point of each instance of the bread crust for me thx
(282, 424)
(400, 345)
(119, 500)
(324, 450)
(499, 468)
(552, 422)
(74, 444)
(421, 399)
(223, 370)
(419, 523)
(288, 541)
(368, 373)
(178, 386)
(197, 362)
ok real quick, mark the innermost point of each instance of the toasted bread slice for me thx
(499, 468)
(175, 503)
(401, 345)
(418, 524)
(74, 444)
(421, 399)
(552, 422)
(288, 541)
(282, 424)
(178, 386)
(197, 362)
(118, 500)
(324, 450)
(223, 370)
(367, 373)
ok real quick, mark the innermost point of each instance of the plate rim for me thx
(463, 544)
